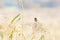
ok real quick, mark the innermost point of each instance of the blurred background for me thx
(30, 3)
(46, 11)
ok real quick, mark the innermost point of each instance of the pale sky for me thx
(43, 3)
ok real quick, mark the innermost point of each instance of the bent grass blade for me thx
(15, 18)
(11, 34)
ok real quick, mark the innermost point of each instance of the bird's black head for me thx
(35, 19)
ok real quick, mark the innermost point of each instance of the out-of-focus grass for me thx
(42, 37)
(11, 27)
(11, 35)
(23, 37)
(1, 34)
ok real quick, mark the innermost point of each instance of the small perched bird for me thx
(38, 26)
(35, 19)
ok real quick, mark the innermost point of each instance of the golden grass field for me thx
(24, 27)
